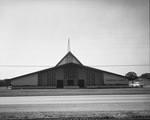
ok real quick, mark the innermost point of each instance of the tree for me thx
(145, 75)
(5, 82)
(1, 83)
(131, 76)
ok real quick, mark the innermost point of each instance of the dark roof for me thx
(62, 66)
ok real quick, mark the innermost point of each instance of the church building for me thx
(69, 73)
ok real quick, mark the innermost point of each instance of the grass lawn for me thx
(57, 92)
(82, 115)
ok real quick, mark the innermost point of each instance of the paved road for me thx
(75, 103)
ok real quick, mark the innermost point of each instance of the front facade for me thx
(70, 73)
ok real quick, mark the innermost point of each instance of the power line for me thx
(136, 65)
(24, 66)
(120, 65)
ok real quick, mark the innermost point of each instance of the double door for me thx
(81, 83)
(60, 83)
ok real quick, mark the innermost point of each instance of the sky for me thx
(111, 35)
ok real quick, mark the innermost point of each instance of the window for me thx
(90, 78)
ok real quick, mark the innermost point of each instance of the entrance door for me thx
(70, 82)
(81, 83)
(60, 84)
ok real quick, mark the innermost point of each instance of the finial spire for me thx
(69, 45)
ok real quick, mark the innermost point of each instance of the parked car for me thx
(136, 84)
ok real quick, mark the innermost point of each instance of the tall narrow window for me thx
(90, 78)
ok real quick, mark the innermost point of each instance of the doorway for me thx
(60, 84)
(81, 83)
(70, 82)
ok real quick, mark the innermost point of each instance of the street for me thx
(75, 103)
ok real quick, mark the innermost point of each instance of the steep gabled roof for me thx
(69, 58)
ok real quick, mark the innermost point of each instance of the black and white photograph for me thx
(74, 60)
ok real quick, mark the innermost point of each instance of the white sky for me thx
(102, 32)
